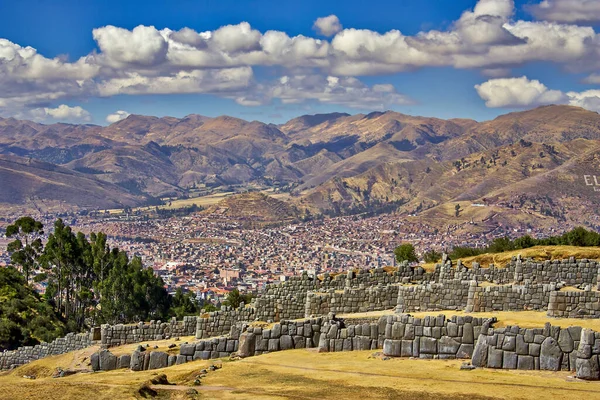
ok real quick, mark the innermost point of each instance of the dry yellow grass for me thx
(538, 253)
(524, 319)
(305, 374)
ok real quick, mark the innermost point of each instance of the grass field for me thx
(539, 253)
(304, 374)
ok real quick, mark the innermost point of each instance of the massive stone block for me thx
(187, 349)
(246, 346)
(550, 355)
(137, 360)
(108, 361)
(158, 359)
(588, 368)
(480, 354)
(95, 360)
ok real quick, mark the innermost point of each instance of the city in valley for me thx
(212, 254)
(301, 199)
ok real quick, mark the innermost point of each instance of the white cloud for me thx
(517, 92)
(117, 116)
(144, 45)
(147, 60)
(61, 113)
(589, 99)
(567, 10)
(327, 26)
(522, 92)
(197, 81)
(346, 91)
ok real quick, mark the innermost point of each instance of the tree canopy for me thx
(87, 283)
(406, 252)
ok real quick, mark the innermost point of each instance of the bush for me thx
(406, 252)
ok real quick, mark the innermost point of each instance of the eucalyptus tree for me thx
(27, 247)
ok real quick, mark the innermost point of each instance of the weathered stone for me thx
(95, 361)
(588, 368)
(124, 361)
(447, 345)
(565, 341)
(108, 361)
(180, 360)
(137, 361)
(285, 342)
(392, 348)
(427, 345)
(246, 346)
(525, 362)
(172, 360)
(465, 351)
(406, 348)
(521, 346)
(480, 353)
(158, 359)
(550, 355)
(187, 349)
(509, 360)
(509, 343)
(494, 358)
(324, 343)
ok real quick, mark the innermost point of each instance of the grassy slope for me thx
(305, 374)
(538, 253)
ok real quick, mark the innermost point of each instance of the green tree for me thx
(132, 293)
(406, 252)
(183, 304)
(457, 210)
(432, 256)
(25, 319)
(235, 298)
(27, 247)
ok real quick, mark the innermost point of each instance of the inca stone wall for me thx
(221, 322)
(116, 335)
(352, 300)
(510, 297)
(571, 304)
(26, 354)
(450, 295)
(550, 348)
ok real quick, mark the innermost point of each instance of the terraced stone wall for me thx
(572, 304)
(352, 300)
(221, 322)
(450, 295)
(116, 335)
(550, 348)
(26, 354)
(509, 297)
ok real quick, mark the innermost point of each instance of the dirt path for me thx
(198, 388)
(436, 379)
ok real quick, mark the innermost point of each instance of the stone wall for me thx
(510, 297)
(549, 348)
(450, 295)
(221, 322)
(571, 304)
(352, 300)
(116, 335)
(26, 354)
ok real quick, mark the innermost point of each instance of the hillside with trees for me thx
(86, 283)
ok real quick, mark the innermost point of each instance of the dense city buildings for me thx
(211, 254)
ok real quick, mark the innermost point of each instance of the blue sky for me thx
(80, 61)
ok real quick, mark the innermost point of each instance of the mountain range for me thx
(524, 166)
